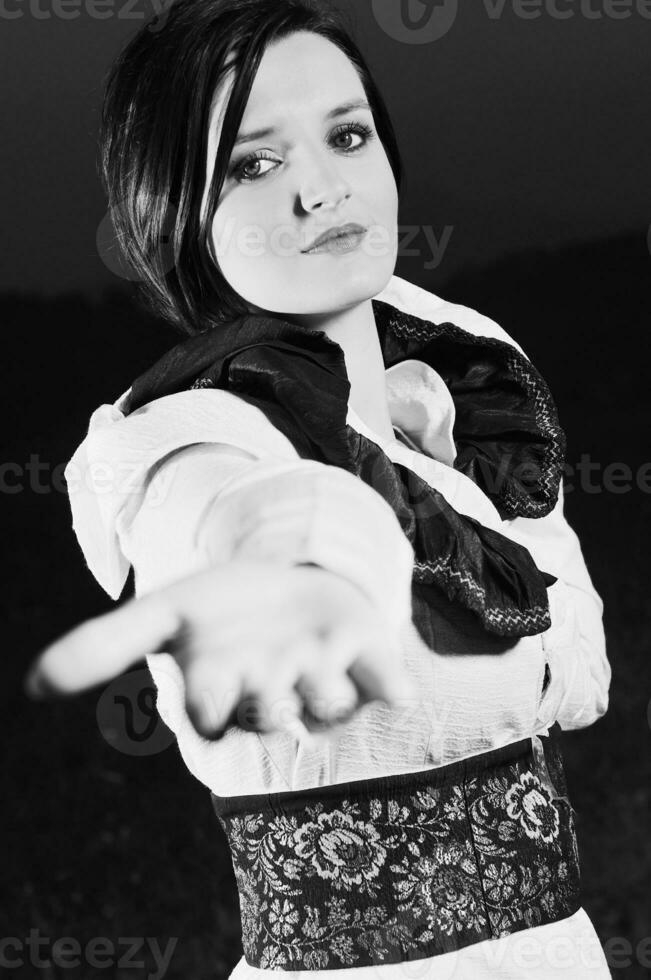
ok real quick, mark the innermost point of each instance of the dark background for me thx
(530, 140)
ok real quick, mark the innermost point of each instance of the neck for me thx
(356, 333)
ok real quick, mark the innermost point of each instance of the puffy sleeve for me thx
(578, 670)
(201, 477)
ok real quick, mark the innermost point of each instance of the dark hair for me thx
(153, 140)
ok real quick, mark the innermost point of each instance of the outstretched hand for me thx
(255, 643)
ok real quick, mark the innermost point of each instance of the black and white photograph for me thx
(326, 489)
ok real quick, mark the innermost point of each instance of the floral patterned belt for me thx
(403, 867)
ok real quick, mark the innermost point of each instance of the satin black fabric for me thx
(467, 578)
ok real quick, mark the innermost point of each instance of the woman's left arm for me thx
(576, 694)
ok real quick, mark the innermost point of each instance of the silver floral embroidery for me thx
(344, 850)
(529, 802)
(359, 881)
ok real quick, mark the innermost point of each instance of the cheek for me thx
(234, 241)
(387, 191)
(242, 237)
(377, 194)
(380, 196)
(227, 226)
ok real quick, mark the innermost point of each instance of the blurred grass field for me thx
(104, 844)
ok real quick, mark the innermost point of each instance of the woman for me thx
(362, 606)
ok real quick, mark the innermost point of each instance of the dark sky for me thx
(515, 132)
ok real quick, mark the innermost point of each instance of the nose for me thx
(324, 187)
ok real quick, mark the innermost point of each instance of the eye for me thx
(354, 129)
(240, 172)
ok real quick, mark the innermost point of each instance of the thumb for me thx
(99, 649)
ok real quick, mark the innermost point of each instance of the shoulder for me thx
(420, 302)
(110, 470)
(182, 419)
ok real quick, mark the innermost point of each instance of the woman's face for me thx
(315, 169)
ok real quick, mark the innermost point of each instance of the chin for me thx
(319, 294)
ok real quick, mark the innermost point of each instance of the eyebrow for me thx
(340, 110)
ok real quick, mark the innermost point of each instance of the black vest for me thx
(468, 580)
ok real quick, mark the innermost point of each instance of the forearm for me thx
(218, 506)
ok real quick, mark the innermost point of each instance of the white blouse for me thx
(201, 476)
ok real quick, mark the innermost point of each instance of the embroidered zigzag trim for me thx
(505, 622)
(515, 500)
(554, 459)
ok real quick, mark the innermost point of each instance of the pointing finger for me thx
(101, 648)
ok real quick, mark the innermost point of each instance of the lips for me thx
(340, 232)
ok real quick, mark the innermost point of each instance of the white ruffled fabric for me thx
(152, 490)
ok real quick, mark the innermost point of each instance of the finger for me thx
(101, 648)
(342, 647)
(373, 661)
(273, 690)
(213, 690)
(329, 697)
(269, 710)
(325, 694)
(380, 678)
